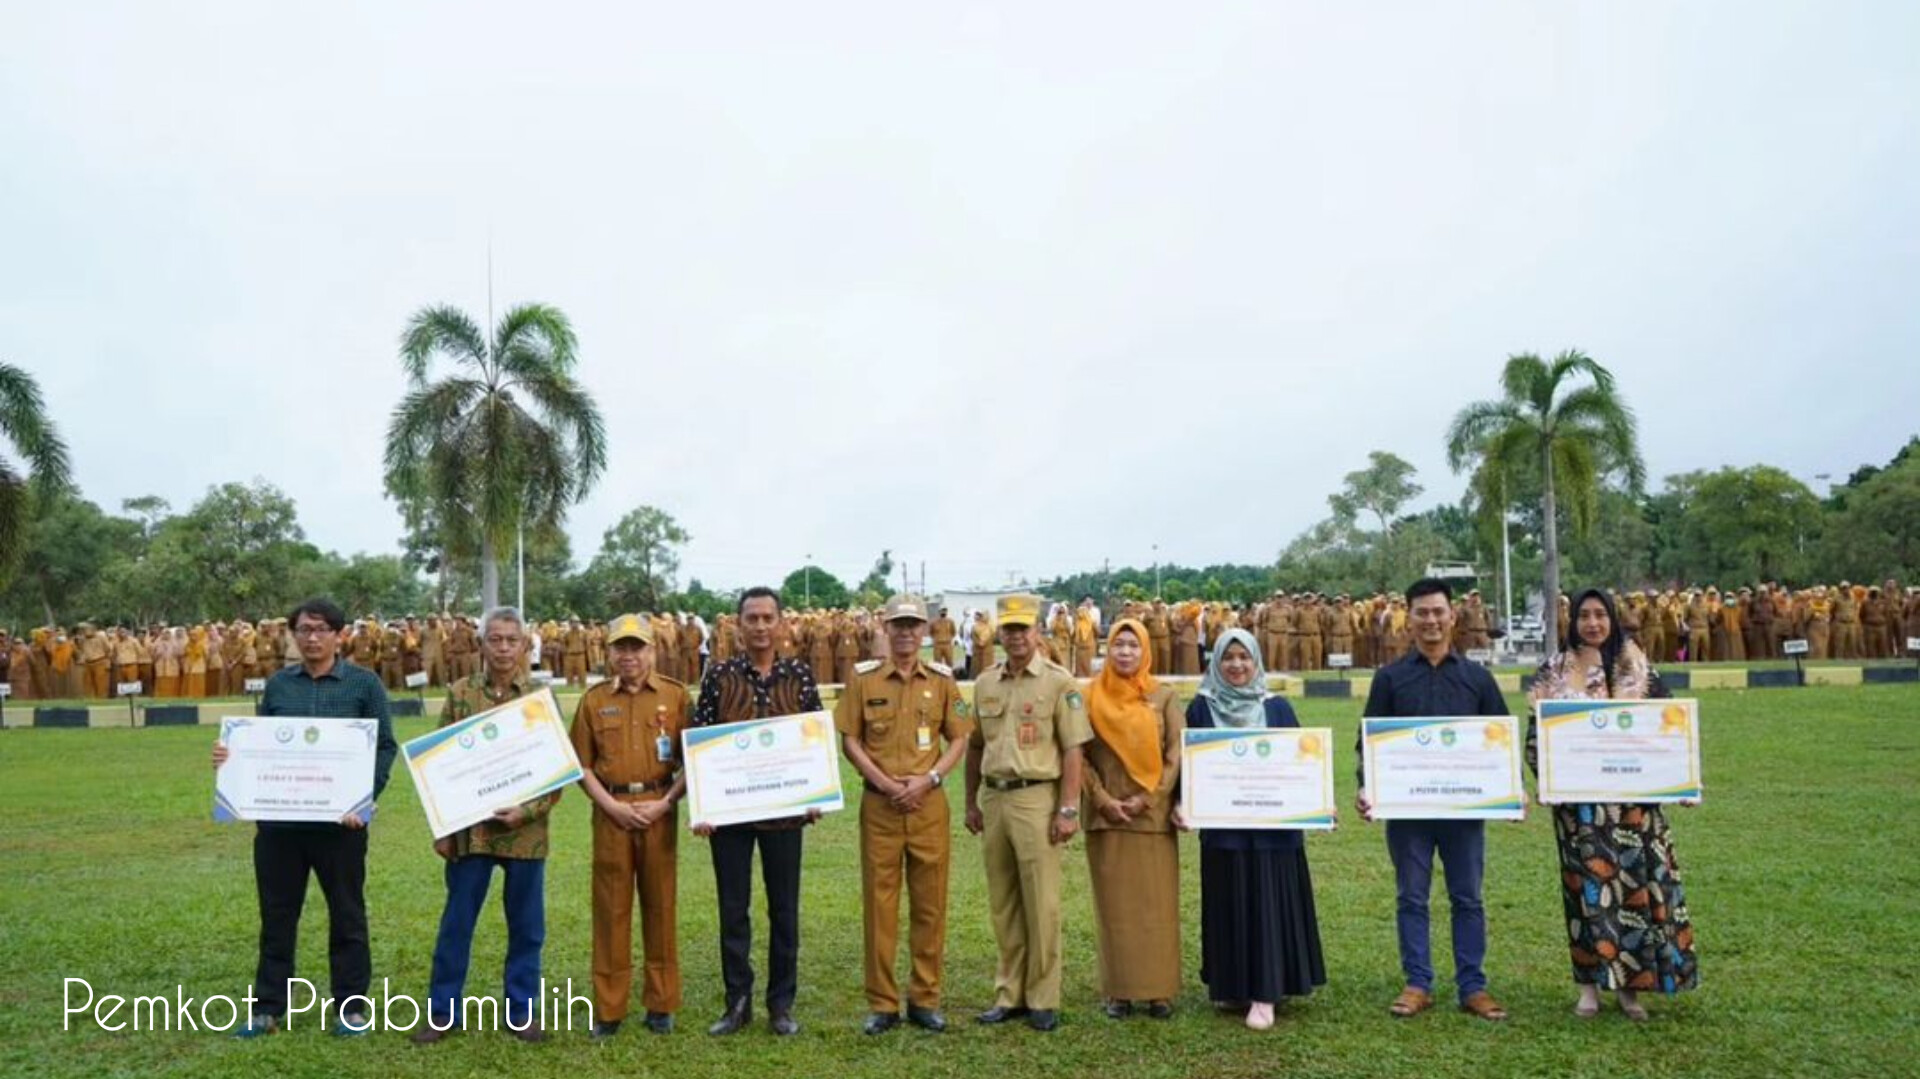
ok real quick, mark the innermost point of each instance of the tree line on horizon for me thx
(495, 438)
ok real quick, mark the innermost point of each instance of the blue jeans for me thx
(526, 905)
(1463, 852)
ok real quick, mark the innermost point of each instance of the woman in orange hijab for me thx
(1133, 851)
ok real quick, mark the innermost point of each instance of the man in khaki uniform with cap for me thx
(626, 732)
(1026, 754)
(892, 718)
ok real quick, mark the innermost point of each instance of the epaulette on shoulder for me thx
(940, 669)
(866, 666)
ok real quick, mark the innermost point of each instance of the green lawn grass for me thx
(1801, 871)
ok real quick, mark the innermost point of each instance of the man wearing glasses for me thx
(284, 853)
(514, 840)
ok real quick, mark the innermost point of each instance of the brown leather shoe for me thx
(427, 1035)
(1411, 1001)
(533, 1035)
(1483, 1005)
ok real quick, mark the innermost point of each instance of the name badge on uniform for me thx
(1029, 734)
(663, 748)
(923, 738)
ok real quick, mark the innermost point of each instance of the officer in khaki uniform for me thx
(626, 732)
(892, 718)
(1023, 797)
(944, 631)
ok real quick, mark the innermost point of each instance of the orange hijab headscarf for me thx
(1117, 707)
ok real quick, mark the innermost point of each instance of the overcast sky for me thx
(1010, 287)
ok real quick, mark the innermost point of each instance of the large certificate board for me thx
(1257, 777)
(1619, 751)
(762, 769)
(295, 768)
(501, 757)
(1444, 768)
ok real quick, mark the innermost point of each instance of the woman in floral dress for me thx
(1626, 910)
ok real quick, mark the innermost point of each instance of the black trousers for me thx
(733, 876)
(282, 858)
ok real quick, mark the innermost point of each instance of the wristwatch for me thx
(937, 778)
(1070, 812)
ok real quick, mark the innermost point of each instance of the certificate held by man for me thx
(294, 768)
(1274, 778)
(762, 769)
(1619, 751)
(1444, 768)
(501, 757)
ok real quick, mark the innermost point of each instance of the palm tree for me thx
(1547, 423)
(23, 421)
(508, 438)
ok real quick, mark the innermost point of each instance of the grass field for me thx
(1801, 870)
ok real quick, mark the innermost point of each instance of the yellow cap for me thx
(1018, 610)
(630, 627)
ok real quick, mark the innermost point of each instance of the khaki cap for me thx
(1018, 610)
(630, 627)
(903, 607)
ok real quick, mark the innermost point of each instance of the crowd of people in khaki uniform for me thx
(1300, 631)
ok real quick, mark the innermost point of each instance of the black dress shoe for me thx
(739, 1015)
(602, 1031)
(927, 1018)
(660, 1022)
(1000, 1013)
(428, 1034)
(783, 1024)
(1160, 1009)
(1118, 1009)
(1043, 1019)
(879, 1023)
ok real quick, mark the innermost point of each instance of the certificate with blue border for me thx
(1443, 767)
(1619, 751)
(762, 769)
(295, 768)
(506, 755)
(1257, 777)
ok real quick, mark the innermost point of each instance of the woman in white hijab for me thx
(1259, 936)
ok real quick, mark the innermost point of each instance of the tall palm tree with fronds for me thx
(508, 437)
(1563, 421)
(24, 422)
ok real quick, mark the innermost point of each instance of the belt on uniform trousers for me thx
(1012, 784)
(634, 788)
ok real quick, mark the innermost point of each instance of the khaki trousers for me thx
(1023, 894)
(625, 863)
(920, 842)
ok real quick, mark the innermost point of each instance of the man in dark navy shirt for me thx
(1434, 680)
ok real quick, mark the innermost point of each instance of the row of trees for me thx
(495, 439)
(241, 551)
